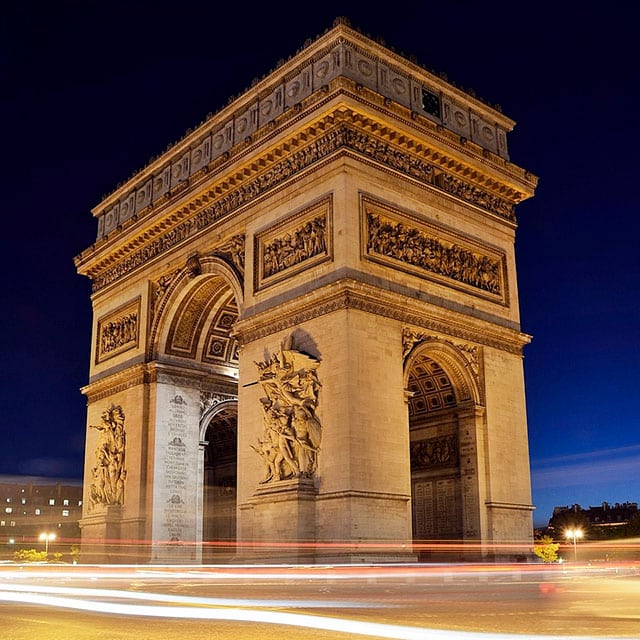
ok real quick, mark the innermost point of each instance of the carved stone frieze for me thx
(425, 250)
(109, 474)
(292, 432)
(301, 241)
(434, 453)
(118, 331)
(341, 136)
(209, 399)
(233, 250)
(345, 60)
(289, 250)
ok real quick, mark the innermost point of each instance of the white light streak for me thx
(39, 596)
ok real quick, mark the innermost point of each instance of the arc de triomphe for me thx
(306, 326)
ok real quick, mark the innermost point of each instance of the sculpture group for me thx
(108, 476)
(292, 432)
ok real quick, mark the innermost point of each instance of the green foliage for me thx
(546, 549)
(30, 555)
(74, 552)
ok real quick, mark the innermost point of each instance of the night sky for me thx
(91, 91)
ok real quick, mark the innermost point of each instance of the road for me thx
(412, 602)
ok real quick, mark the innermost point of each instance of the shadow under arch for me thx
(444, 400)
(218, 439)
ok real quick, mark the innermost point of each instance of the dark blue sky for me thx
(91, 90)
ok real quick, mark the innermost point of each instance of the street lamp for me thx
(574, 534)
(47, 537)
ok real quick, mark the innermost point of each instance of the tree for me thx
(632, 529)
(546, 549)
(74, 552)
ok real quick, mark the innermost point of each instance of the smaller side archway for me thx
(446, 441)
(219, 443)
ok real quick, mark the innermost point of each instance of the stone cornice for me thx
(341, 54)
(340, 130)
(115, 383)
(349, 294)
(111, 384)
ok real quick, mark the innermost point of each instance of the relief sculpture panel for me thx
(108, 475)
(402, 241)
(301, 241)
(292, 432)
(118, 331)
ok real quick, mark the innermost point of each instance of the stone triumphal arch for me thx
(306, 326)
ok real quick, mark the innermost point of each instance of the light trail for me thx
(170, 599)
(236, 614)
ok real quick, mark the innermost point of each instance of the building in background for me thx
(599, 523)
(31, 506)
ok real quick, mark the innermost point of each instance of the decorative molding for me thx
(470, 353)
(118, 331)
(175, 375)
(249, 331)
(402, 241)
(337, 132)
(233, 251)
(109, 474)
(115, 383)
(220, 347)
(344, 57)
(209, 400)
(159, 288)
(510, 505)
(302, 240)
(292, 432)
(190, 317)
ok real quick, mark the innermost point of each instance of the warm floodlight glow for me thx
(574, 534)
(46, 538)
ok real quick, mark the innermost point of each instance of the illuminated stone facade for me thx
(307, 312)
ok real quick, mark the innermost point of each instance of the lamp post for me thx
(46, 537)
(574, 534)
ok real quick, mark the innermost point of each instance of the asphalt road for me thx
(303, 603)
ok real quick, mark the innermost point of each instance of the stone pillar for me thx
(472, 474)
(176, 519)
